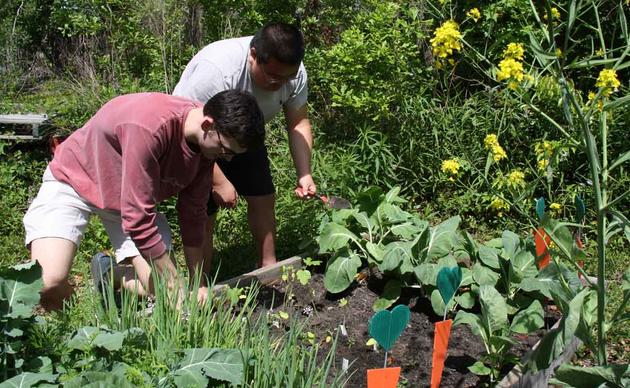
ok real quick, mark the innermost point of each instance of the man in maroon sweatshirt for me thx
(135, 152)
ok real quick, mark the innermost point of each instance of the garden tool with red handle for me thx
(333, 202)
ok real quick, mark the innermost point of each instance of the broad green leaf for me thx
(370, 199)
(393, 213)
(19, 287)
(467, 300)
(523, 266)
(489, 256)
(341, 270)
(28, 379)
(426, 274)
(446, 261)
(493, 309)
(549, 348)
(392, 195)
(588, 377)
(376, 251)
(467, 277)
(621, 159)
(83, 338)
(563, 238)
(390, 295)
(437, 303)
(110, 341)
(511, 243)
(530, 319)
(484, 275)
(39, 365)
(406, 230)
(439, 241)
(199, 364)
(335, 237)
(480, 369)
(625, 280)
(472, 320)
(364, 220)
(93, 379)
(616, 104)
(396, 253)
(340, 216)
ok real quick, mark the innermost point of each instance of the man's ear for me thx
(252, 53)
(207, 123)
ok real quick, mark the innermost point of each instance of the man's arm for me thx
(301, 145)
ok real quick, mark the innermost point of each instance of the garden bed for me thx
(325, 313)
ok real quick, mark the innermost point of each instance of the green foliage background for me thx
(382, 113)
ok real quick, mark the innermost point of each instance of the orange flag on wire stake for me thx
(542, 240)
(383, 378)
(440, 347)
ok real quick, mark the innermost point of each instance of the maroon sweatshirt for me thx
(130, 156)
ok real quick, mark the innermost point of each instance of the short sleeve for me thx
(201, 82)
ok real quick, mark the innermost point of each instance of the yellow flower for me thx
(498, 205)
(498, 153)
(608, 81)
(542, 164)
(514, 51)
(516, 179)
(555, 209)
(491, 142)
(474, 14)
(510, 68)
(591, 94)
(450, 166)
(600, 102)
(446, 40)
(544, 148)
(558, 53)
(555, 13)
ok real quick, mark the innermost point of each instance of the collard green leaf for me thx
(392, 195)
(406, 230)
(83, 338)
(467, 300)
(483, 275)
(335, 237)
(111, 341)
(426, 274)
(93, 379)
(437, 303)
(341, 270)
(489, 256)
(493, 309)
(19, 288)
(563, 238)
(392, 214)
(511, 243)
(390, 295)
(472, 320)
(28, 379)
(199, 364)
(340, 216)
(364, 220)
(523, 266)
(596, 376)
(467, 278)
(530, 319)
(439, 241)
(376, 251)
(396, 253)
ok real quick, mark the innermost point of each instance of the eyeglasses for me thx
(276, 79)
(226, 153)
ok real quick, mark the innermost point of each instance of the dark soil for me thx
(413, 350)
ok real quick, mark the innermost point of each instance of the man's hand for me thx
(305, 187)
(202, 295)
(225, 195)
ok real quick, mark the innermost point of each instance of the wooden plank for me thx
(23, 119)
(19, 137)
(263, 275)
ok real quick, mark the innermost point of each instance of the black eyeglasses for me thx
(276, 79)
(226, 153)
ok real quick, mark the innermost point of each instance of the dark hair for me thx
(236, 114)
(281, 41)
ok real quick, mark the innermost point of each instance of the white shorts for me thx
(58, 211)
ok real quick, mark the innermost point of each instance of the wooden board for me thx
(34, 120)
(263, 275)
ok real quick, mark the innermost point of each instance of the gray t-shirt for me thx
(224, 65)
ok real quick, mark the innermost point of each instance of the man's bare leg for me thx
(262, 223)
(55, 256)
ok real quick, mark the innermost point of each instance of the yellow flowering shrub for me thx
(511, 67)
(474, 14)
(608, 81)
(445, 41)
(544, 151)
(514, 51)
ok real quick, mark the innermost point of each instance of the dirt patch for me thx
(412, 352)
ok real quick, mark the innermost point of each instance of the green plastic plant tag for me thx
(540, 207)
(386, 326)
(448, 281)
(580, 209)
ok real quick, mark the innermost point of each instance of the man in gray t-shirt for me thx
(268, 65)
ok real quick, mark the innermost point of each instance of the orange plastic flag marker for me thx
(440, 348)
(542, 240)
(383, 378)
